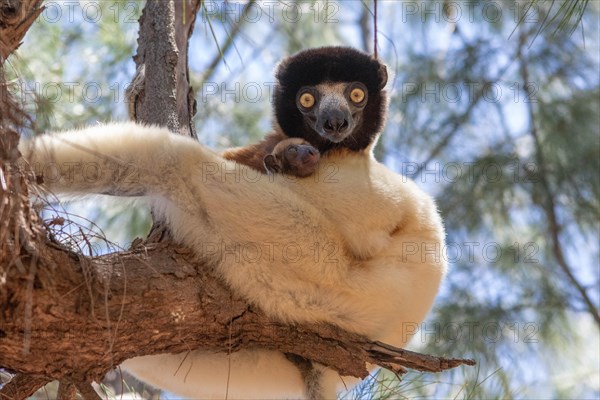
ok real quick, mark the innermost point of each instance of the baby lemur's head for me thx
(331, 97)
(292, 156)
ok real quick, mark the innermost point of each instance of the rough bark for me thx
(185, 17)
(157, 54)
(88, 315)
(16, 16)
(161, 88)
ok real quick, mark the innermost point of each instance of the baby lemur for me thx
(293, 156)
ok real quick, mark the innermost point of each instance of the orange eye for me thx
(357, 95)
(307, 100)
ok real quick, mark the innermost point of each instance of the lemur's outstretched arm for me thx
(116, 159)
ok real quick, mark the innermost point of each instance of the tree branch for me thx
(157, 56)
(21, 386)
(104, 319)
(549, 204)
(66, 391)
(160, 93)
(185, 17)
(16, 17)
(87, 391)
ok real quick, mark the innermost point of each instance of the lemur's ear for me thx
(271, 164)
(383, 76)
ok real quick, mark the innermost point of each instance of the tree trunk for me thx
(16, 17)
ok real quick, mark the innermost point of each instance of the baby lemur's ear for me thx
(271, 164)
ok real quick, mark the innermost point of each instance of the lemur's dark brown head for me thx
(332, 97)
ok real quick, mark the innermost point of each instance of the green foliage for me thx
(502, 165)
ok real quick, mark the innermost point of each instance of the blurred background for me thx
(494, 109)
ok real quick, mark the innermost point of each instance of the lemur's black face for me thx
(332, 97)
(333, 110)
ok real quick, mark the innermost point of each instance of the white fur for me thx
(355, 245)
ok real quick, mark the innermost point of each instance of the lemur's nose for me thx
(335, 122)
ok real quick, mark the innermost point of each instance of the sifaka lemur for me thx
(367, 243)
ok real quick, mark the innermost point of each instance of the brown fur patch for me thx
(254, 154)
